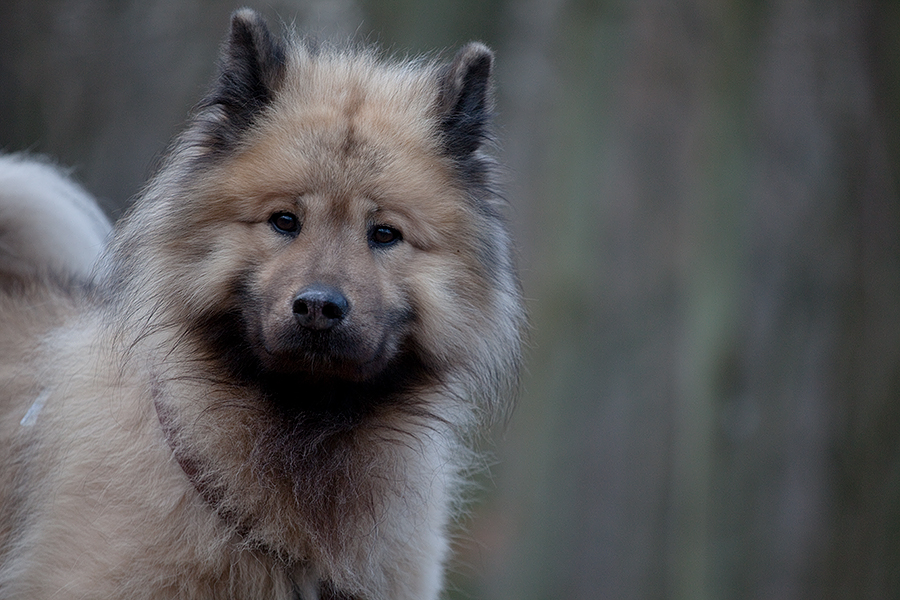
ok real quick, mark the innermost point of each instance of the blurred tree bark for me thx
(713, 225)
(819, 345)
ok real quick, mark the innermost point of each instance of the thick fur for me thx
(177, 426)
(47, 222)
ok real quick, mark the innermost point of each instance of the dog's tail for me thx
(49, 225)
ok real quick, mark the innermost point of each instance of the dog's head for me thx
(336, 215)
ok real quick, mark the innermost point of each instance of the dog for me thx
(270, 382)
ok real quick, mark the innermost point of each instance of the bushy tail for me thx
(48, 223)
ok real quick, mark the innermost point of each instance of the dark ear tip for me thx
(475, 57)
(246, 24)
(244, 18)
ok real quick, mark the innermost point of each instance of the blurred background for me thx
(705, 196)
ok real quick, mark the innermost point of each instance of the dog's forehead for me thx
(370, 132)
(347, 103)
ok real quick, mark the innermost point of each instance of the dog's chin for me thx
(318, 367)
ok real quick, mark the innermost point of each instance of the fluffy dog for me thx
(268, 386)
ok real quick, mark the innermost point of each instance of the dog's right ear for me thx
(251, 68)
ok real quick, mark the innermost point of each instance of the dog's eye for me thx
(382, 235)
(285, 222)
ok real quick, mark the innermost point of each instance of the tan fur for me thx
(180, 443)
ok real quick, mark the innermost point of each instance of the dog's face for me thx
(339, 214)
(329, 297)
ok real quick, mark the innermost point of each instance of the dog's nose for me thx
(320, 307)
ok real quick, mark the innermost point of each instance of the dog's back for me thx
(51, 234)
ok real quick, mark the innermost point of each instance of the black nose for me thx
(320, 307)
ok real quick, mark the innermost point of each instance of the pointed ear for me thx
(465, 100)
(251, 68)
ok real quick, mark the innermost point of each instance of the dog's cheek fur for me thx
(467, 318)
(205, 268)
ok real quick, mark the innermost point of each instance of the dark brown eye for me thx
(382, 235)
(285, 222)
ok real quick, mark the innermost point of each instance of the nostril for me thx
(301, 307)
(332, 311)
(320, 307)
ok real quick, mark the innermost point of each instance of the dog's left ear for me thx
(251, 68)
(465, 100)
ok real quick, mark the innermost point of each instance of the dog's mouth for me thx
(346, 388)
(357, 347)
(331, 354)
